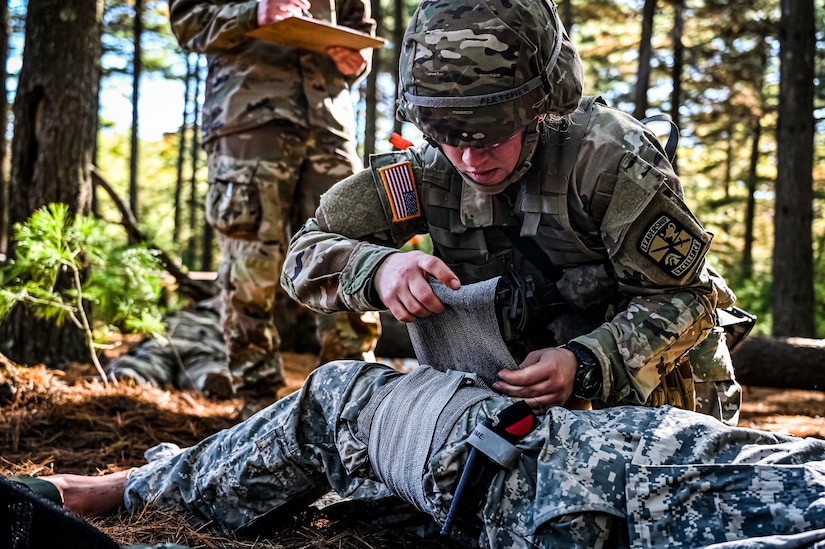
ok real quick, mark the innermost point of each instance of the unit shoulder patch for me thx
(399, 184)
(672, 246)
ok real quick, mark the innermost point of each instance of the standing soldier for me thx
(278, 128)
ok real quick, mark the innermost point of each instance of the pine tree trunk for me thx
(137, 70)
(678, 66)
(189, 256)
(371, 87)
(750, 207)
(793, 275)
(182, 150)
(4, 182)
(54, 114)
(643, 79)
(397, 40)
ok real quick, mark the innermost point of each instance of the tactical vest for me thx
(481, 237)
(466, 226)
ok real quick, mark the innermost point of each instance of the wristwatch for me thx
(588, 382)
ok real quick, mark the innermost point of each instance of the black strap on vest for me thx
(672, 136)
(533, 253)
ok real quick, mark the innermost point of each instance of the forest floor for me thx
(69, 422)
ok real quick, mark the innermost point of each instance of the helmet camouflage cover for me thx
(473, 72)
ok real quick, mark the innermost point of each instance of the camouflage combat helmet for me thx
(473, 72)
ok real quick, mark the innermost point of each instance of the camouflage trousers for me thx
(619, 477)
(191, 349)
(263, 184)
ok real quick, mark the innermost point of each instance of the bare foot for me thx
(91, 496)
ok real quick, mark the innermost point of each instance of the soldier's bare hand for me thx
(401, 283)
(349, 62)
(270, 11)
(544, 379)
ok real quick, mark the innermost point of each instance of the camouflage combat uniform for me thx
(190, 350)
(278, 127)
(601, 193)
(620, 477)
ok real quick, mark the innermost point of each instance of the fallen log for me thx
(782, 363)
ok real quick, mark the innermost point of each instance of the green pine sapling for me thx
(112, 288)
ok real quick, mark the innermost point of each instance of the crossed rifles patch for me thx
(672, 246)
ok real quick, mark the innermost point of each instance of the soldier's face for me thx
(488, 165)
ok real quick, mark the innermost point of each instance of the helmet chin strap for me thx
(531, 140)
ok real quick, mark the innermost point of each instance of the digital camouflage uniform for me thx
(620, 477)
(598, 195)
(278, 127)
(190, 350)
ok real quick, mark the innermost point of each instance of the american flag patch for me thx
(400, 185)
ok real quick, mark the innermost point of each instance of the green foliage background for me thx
(61, 262)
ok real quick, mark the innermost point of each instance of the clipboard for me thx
(314, 35)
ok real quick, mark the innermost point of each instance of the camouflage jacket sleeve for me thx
(656, 249)
(210, 27)
(331, 261)
(643, 342)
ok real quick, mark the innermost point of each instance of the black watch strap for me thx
(588, 382)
